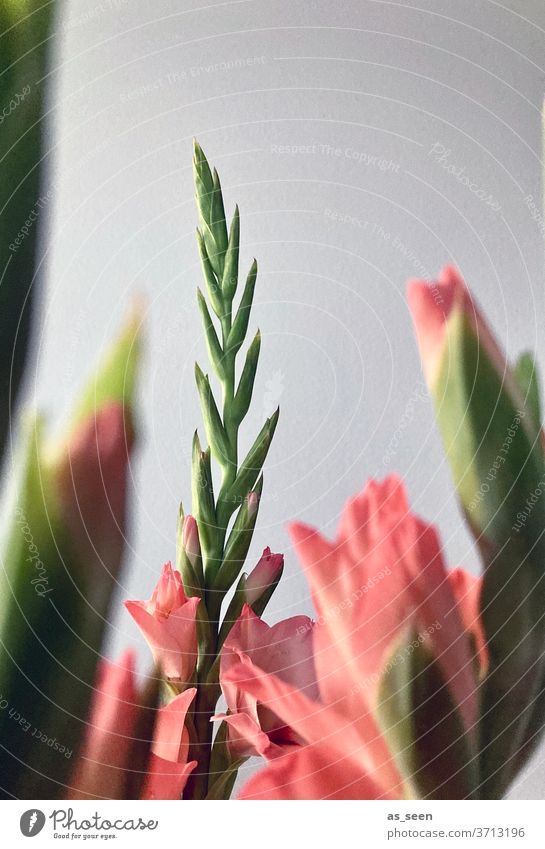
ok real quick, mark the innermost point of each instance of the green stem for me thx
(205, 701)
(219, 252)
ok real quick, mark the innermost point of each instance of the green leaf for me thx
(211, 211)
(243, 396)
(422, 726)
(114, 381)
(240, 324)
(223, 786)
(223, 771)
(204, 508)
(230, 274)
(204, 635)
(233, 611)
(218, 224)
(238, 543)
(204, 182)
(214, 348)
(252, 465)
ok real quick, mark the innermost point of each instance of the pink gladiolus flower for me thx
(106, 763)
(284, 650)
(383, 575)
(167, 621)
(263, 575)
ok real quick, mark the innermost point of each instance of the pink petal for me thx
(312, 772)
(362, 616)
(467, 592)
(107, 745)
(169, 740)
(323, 725)
(169, 594)
(285, 649)
(245, 737)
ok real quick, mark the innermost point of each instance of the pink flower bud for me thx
(168, 594)
(253, 502)
(190, 540)
(263, 575)
(432, 305)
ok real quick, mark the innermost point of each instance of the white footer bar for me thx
(282, 825)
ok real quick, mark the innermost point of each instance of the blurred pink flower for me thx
(383, 575)
(90, 470)
(106, 764)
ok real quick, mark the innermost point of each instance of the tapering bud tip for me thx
(253, 503)
(169, 594)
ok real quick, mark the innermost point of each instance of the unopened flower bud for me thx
(263, 576)
(190, 540)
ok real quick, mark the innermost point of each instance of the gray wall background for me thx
(321, 118)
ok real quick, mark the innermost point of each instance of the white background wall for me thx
(336, 234)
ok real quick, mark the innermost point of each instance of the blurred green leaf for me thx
(527, 376)
(24, 203)
(60, 563)
(496, 454)
(422, 726)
